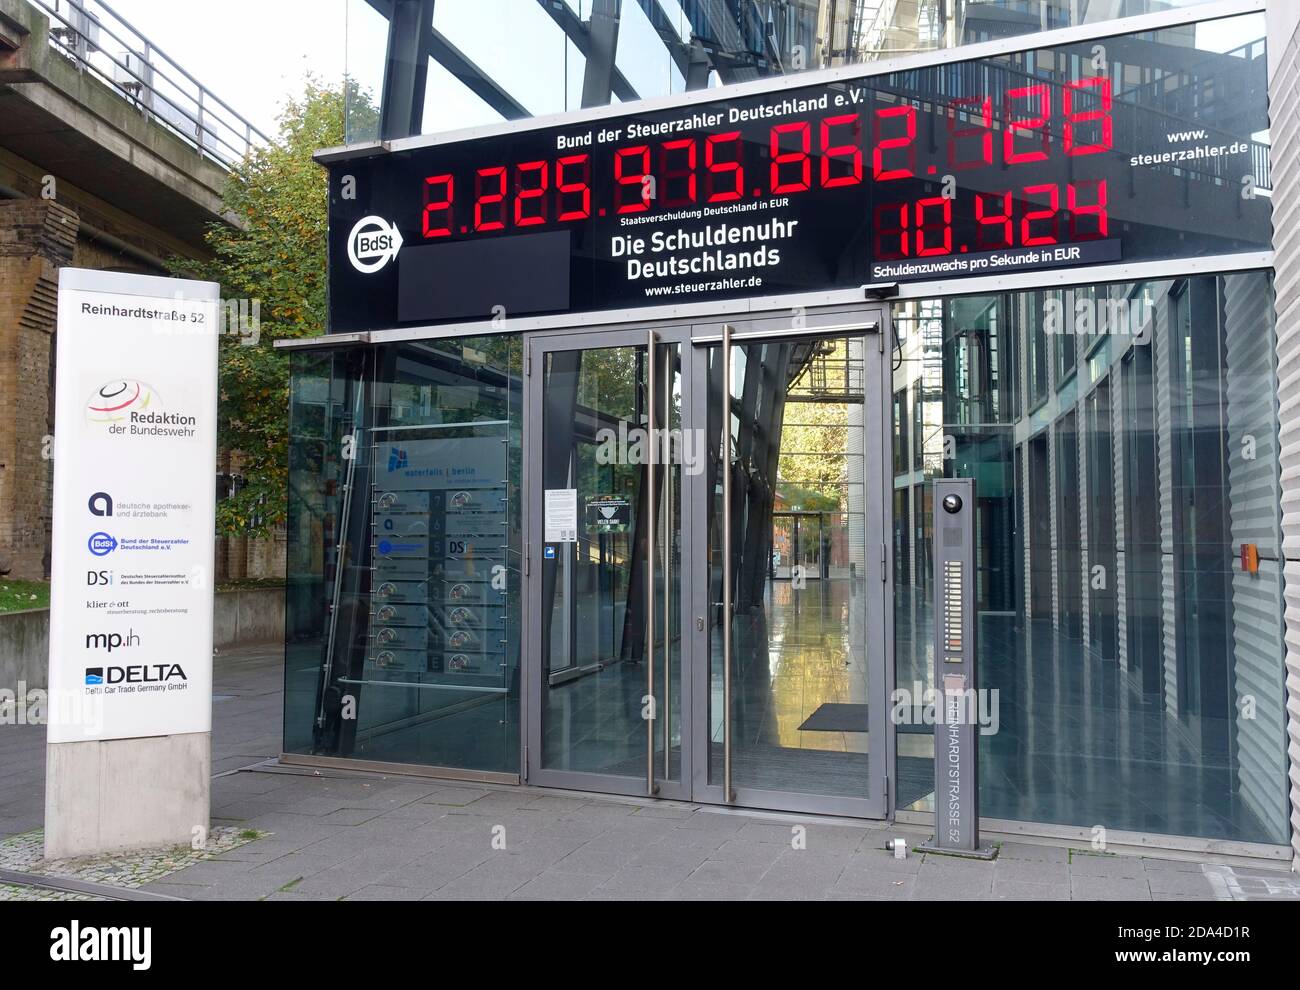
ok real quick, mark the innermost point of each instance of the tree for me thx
(276, 255)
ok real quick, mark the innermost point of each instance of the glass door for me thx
(606, 455)
(790, 574)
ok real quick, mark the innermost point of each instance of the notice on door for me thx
(561, 511)
(134, 504)
(608, 514)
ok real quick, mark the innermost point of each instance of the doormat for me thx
(833, 717)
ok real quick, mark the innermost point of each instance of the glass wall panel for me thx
(366, 44)
(1129, 586)
(799, 659)
(404, 523)
(537, 53)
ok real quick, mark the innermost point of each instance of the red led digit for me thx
(437, 206)
(984, 132)
(847, 154)
(1031, 217)
(924, 226)
(1042, 95)
(891, 221)
(1101, 116)
(734, 186)
(996, 223)
(1097, 210)
(631, 180)
(493, 180)
(530, 197)
(567, 186)
(904, 141)
(672, 177)
(799, 157)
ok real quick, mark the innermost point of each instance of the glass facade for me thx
(1123, 437)
(404, 534)
(498, 60)
(1136, 656)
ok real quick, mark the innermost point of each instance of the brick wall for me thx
(36, 239)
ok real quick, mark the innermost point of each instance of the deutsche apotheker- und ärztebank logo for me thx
(130, 407)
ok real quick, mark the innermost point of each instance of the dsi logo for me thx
(396, 459)
(101, 544)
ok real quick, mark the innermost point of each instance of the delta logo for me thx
(153, 673)
(129, 407)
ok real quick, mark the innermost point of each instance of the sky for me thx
(251, 53)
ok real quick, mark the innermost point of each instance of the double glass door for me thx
(706, 608)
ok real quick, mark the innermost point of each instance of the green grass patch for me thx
(19, 596)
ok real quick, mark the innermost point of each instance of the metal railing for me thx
(96, 39)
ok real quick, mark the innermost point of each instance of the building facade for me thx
(641, 500)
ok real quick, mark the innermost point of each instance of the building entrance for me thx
(704, 546)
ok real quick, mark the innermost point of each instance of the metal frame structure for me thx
(739, 86)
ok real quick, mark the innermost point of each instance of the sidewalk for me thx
(336, 835)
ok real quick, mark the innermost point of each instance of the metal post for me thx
(956, 730)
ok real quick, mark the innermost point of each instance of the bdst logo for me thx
(373, 243)
(101, 544)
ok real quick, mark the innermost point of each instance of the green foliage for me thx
(20, 596)
(275, 252)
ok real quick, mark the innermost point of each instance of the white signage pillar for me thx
(130, 680)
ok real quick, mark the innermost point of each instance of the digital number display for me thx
(1007, 165)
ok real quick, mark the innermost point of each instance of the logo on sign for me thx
(396, 459)
(373, 243)
(114, 401)
(100, 504)
(94, 675)
(101, 544)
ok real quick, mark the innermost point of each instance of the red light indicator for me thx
(601, 211)
(464, 230)
(934, 170)
(964, 249)
(758, 192)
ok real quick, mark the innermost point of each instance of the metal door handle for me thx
(726, 563)
(650, 542)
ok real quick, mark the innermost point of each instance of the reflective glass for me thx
(1129, 585)
(536, 55)
(404, 540)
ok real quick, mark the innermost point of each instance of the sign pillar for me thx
(956, 725)
(130, 678)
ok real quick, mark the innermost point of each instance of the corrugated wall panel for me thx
(1284, 65)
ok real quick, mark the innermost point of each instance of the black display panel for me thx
(1133, 148)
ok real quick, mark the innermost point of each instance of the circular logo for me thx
(101, 544)
(114, 401)
(373, 243)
